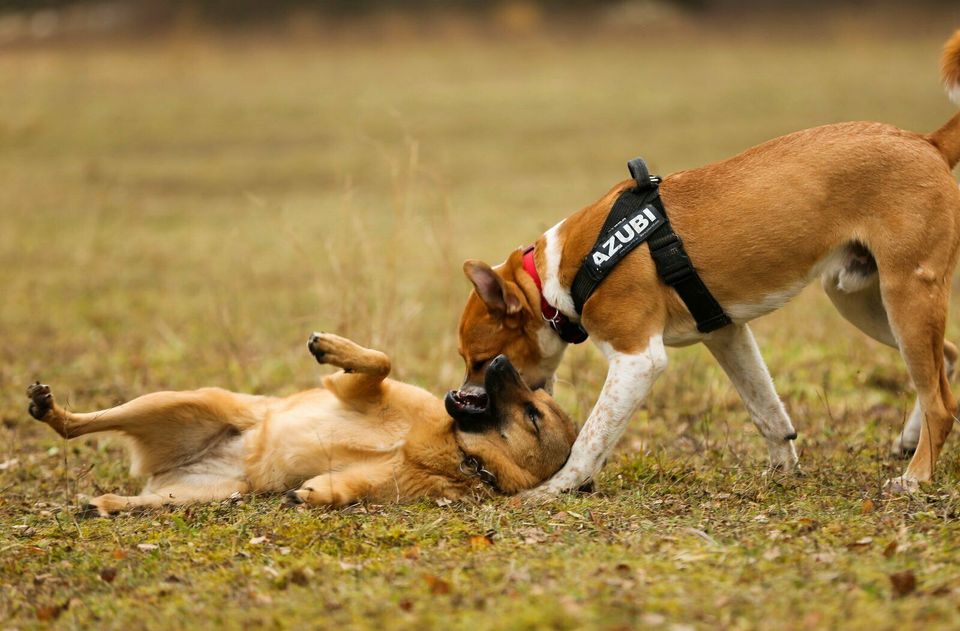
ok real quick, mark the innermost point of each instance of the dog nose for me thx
(313, 340)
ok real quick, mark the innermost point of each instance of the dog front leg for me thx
(738, 355)
(629, 378)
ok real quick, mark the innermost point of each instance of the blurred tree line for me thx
(242, 10)
(255, 9)
(35, 20)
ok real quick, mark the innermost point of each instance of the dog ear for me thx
(491, 288)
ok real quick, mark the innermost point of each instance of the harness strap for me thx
(638, 215)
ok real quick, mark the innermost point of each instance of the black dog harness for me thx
(638, 215)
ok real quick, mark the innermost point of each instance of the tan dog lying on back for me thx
(871, 210)
(363, 436)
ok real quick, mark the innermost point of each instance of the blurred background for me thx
(189, 188)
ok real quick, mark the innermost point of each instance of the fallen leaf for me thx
(412, 553)
(108, 574)
(867, 507)
(406, 605)
(7, 464)
(258, 540)
(478, 542)
(350, 566)
(119, 554)
(891, 549)
(441, 502)
(437, 585)
(860, 543)
(49, 612)
(40, 579)
(147, 547)
(903, 583)
(301, 576)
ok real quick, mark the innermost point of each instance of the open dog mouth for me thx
(475, 408)
(461, 404)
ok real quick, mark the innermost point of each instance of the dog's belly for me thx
(316, 435)
(222, 464)
(843, 264)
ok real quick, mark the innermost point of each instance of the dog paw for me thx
(783, 456)
(901, 486)
(540, 495)
(89, 511)
(292, 499)
(782, 473)
(101, 506)
(332, 349)
(41, 400)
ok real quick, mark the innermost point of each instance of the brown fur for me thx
(761, 225)
(362, 436)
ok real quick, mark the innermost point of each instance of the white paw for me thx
(537, 496)
(544, 493)
(783, 456)
(901, 486)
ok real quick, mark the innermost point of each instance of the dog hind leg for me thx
(736, 351)
(865, 310)
(917, 309)
(168, 428)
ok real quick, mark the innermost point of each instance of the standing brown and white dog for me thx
(871, 210)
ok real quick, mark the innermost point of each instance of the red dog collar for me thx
(568, 331)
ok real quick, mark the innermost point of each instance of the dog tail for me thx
(947, 138)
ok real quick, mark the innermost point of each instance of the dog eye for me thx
(533, 414)
(479, 364)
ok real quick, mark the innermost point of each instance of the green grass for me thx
(184, 213)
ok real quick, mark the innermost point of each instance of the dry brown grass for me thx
(184, 213)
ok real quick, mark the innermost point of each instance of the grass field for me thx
(184, 213)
